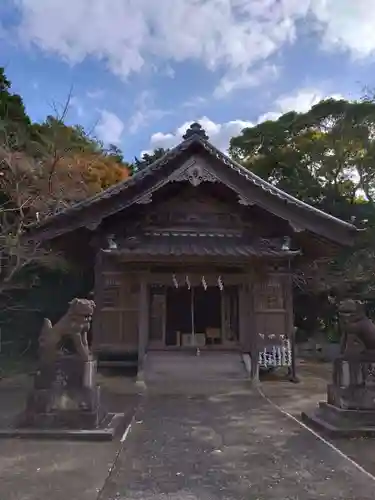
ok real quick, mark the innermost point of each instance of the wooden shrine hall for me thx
(194, 252)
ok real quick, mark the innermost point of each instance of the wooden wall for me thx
(116, 320)
(273, 308)
(265, 307)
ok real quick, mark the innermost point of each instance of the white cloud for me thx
(194, 102)
(243, 79)
(145, 111)
(109, 128)
(233, 35)
(346, 24)
(219, 133)
(77, 105)
(301, 101)
(95, 94)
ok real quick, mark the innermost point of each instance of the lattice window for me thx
(111, 291)
(112, 280)
(111, 296)
(269, 295)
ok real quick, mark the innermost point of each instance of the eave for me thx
(89, 213)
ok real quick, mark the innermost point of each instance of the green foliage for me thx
(147, 159)
(44, 167)
(22, 311)
(325, 157)
(14, 122)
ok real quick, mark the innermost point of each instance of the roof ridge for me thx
(273, 189)
(174, 153)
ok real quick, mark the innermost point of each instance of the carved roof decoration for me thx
(202, 246)
(195, 160)
(195, 129)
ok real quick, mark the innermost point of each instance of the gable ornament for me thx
(195, 174)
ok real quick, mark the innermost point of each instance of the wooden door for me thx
(117, 315)
(229, 311)
(158, 307)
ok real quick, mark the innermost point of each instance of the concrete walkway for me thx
(227, 447)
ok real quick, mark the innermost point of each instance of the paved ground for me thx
(304, 397)
(232, 446)
(56, 470)
(227, 447)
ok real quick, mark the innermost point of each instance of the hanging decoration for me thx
(187, 282)
(220, 283)
(204, 283)
(175, 282)
(276, 355)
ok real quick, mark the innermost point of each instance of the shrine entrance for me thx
(193, 317)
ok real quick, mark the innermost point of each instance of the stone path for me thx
(227, 447)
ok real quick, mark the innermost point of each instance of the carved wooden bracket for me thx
(111, 242)
(92, 226)
(145, 200)
(244, 202)
(194, 173)
(296, 228)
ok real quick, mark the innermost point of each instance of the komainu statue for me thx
(358, 331)
(75, 324)
(65, 393)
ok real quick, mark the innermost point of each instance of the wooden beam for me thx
(143, 319)
(98, 297)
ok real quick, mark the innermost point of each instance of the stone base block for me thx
(340, 422)
(111, 427)
(72, 408)
(352, 397)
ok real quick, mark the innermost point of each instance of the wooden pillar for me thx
(98, 298)
(242, 305)
(248, 334)
(288, 296)
(253, 334)
(143, 319)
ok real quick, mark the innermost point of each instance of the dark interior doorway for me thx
(206, 313)
(178, 314)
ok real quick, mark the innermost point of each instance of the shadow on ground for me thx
(227, 447)
(223, 446)
(57, 470)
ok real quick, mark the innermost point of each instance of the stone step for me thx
(190, 366)
(193, 388)
(185, 372)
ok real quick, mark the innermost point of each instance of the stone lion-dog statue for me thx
(358, 331)
(75, 324)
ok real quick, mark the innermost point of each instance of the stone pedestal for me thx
(350, 406)
(65, 395)
(65, 404)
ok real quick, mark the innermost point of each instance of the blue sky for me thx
(140, 70)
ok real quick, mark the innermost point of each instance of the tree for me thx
(114, 152)
(23, 198)
(14, 122)
(324, 157)
(44, 168)
(147, 159)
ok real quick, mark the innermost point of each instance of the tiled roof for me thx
(202, 246)
(158, 165)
